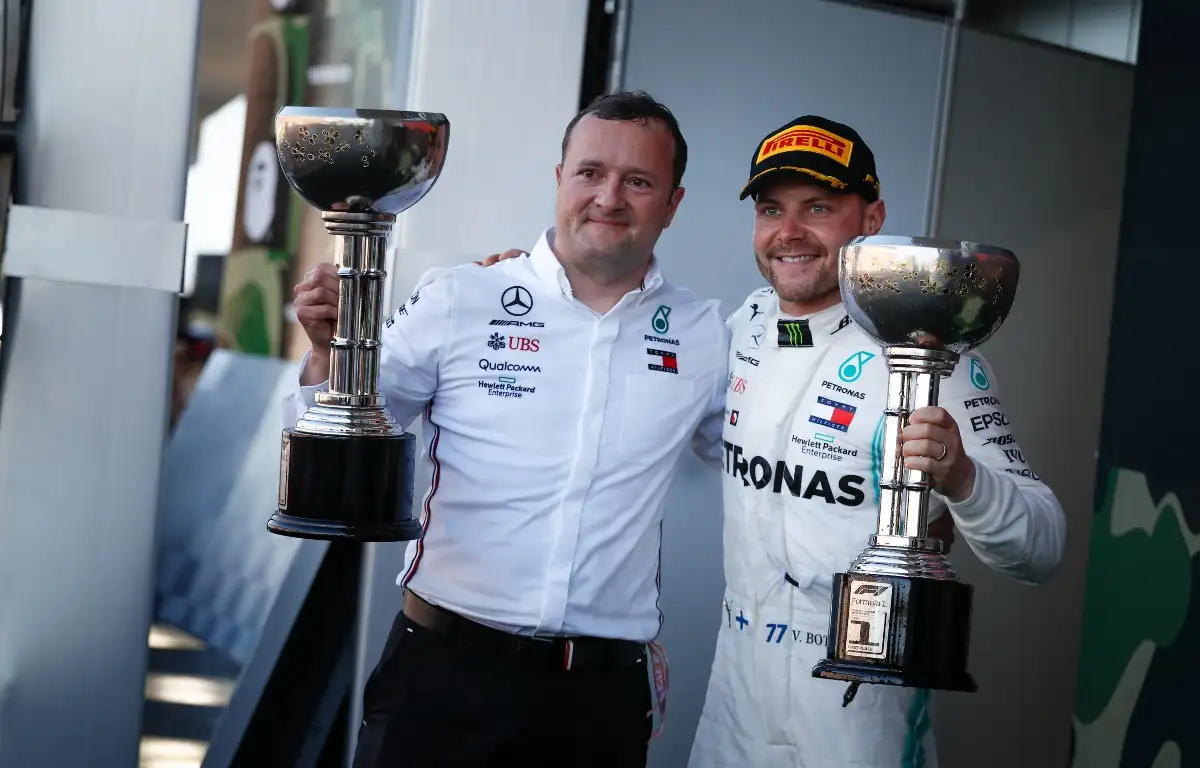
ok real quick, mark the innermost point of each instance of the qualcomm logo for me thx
(851, 368)
(488, 365)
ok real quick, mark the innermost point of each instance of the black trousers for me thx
(444, 699)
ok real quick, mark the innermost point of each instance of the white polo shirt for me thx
(552, 436)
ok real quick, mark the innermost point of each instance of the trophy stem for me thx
(900, 546)
(354, 350)
(352, 405)
(913, 383)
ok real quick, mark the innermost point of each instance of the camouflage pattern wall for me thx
(1139, 660)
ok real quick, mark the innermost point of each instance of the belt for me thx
(565, 653)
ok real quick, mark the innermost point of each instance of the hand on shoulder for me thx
(496, 258)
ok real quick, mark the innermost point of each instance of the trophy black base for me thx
(346, 488)
(896, 630)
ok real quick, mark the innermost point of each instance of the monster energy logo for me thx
(660, 322)
(794, 333)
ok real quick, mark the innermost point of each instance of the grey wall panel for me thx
(86, 390)
(1106, 28)
(1035, 162)
(81, 441)
(732, 74)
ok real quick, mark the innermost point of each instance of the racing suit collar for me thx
(824, 323)
(550, 270)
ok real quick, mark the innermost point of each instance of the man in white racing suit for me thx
(802, 459)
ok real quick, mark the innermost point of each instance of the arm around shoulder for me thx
(707, 440)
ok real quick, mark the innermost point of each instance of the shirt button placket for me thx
(571, 521)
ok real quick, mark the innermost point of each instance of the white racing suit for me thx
(803, 454)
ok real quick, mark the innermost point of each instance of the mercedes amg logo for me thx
(756, 335)
(516, 301)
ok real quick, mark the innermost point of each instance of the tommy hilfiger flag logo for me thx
(832, 414)
(794, 333)
(664, 361)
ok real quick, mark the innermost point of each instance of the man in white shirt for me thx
(558, 392)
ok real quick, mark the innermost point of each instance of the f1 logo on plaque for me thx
(870, 611)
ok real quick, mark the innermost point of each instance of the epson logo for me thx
(986, 420)
(518, 323)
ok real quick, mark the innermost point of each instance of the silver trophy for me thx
(346, 469)
(900, 615)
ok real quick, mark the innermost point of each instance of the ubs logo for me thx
(515, 343)
(517, 301)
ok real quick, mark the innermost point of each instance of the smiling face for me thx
(799, 227)
(616, 194)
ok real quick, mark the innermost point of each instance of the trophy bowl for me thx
(359, 160)
(346, 466)
(939, 294)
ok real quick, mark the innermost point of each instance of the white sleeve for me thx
(410, 352)
(1012, 521)
(707, 440)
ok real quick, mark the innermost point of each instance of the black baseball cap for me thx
(828, 152)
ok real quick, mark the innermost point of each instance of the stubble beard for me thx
(821, 284)
(612, 258)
